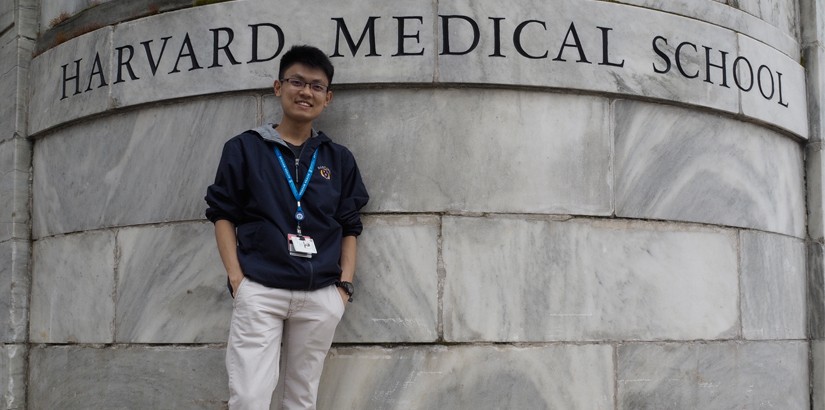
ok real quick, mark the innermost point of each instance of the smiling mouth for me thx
(304, 104)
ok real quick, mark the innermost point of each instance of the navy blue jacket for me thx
(252, 192)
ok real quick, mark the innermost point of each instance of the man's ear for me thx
(277, 87)
(328, 99)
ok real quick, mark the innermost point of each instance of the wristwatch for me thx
(348, 288)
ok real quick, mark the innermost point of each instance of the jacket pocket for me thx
(247, 236)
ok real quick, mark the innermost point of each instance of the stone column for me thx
(18, 31)
(813, 44)
(574, 204)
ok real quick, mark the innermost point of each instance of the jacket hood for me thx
(269, 133)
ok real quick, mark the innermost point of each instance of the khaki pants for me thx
(262, 318)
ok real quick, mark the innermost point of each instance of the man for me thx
(285, 204)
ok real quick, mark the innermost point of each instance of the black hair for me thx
(309, 56)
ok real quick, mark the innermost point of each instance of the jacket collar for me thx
(269, 133)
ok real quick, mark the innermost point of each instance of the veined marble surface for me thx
(73, 289)
(816, 291)
(773, 283)
(55, 11)
(396, 282)
(674, 164)
(468, 377)
(817, 374)
(783, 14)
(789, 88)
(6, 15)
(627, 43)
(753, 375)
(475, 150)
(239, 15)
(171, 286)
(46, 106)
(13, 376)
(15, 282)
(815, 68)
(410, 49)
(15, 56)
(145, 166)
(812, 20)
(76, 377)
(15, 163)
(523, 279)
(720, 13)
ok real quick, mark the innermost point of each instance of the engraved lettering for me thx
(517, 39)
(187, 44)
(341, 29)
(445, 34)
(127, 64)
(576, 44)
(225, 48)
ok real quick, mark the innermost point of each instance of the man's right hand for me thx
(228, 248)
(235, 282)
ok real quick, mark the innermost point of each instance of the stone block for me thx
(469, 377)
(773, 284)
(625, 65)
(713, 375)
(53, 13)
(817, 375)
(533, 279)
(816, 291)
(163, 56)
(815, 191)
(171, 286)
(8, 84)
(783, 14)
(721, 14)
(812, 21)
(15, 282)
(815, 68)
(7, 15)
(15, 163)
(71, 81)
(15, 56)
(396, 282)
(679, 165)
(501, 151)
(95, 175)
(235, 67)
(71, 377)
(27, 18)
(13, 377)
(771, 86)
(73, 289)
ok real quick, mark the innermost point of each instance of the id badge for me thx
(302, 246)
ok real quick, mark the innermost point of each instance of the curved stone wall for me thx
(580, 45)
(574, 204)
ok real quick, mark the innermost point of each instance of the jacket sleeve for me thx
(353, 197)
(227, 196)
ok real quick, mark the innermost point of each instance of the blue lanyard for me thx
(299, 214)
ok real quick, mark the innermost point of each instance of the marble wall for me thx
(812, 16)
(578, 45)
(541, 233)
(18, 30)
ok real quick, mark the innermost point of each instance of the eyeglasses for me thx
(299, 84)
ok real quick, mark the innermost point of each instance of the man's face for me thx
(303, 104)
